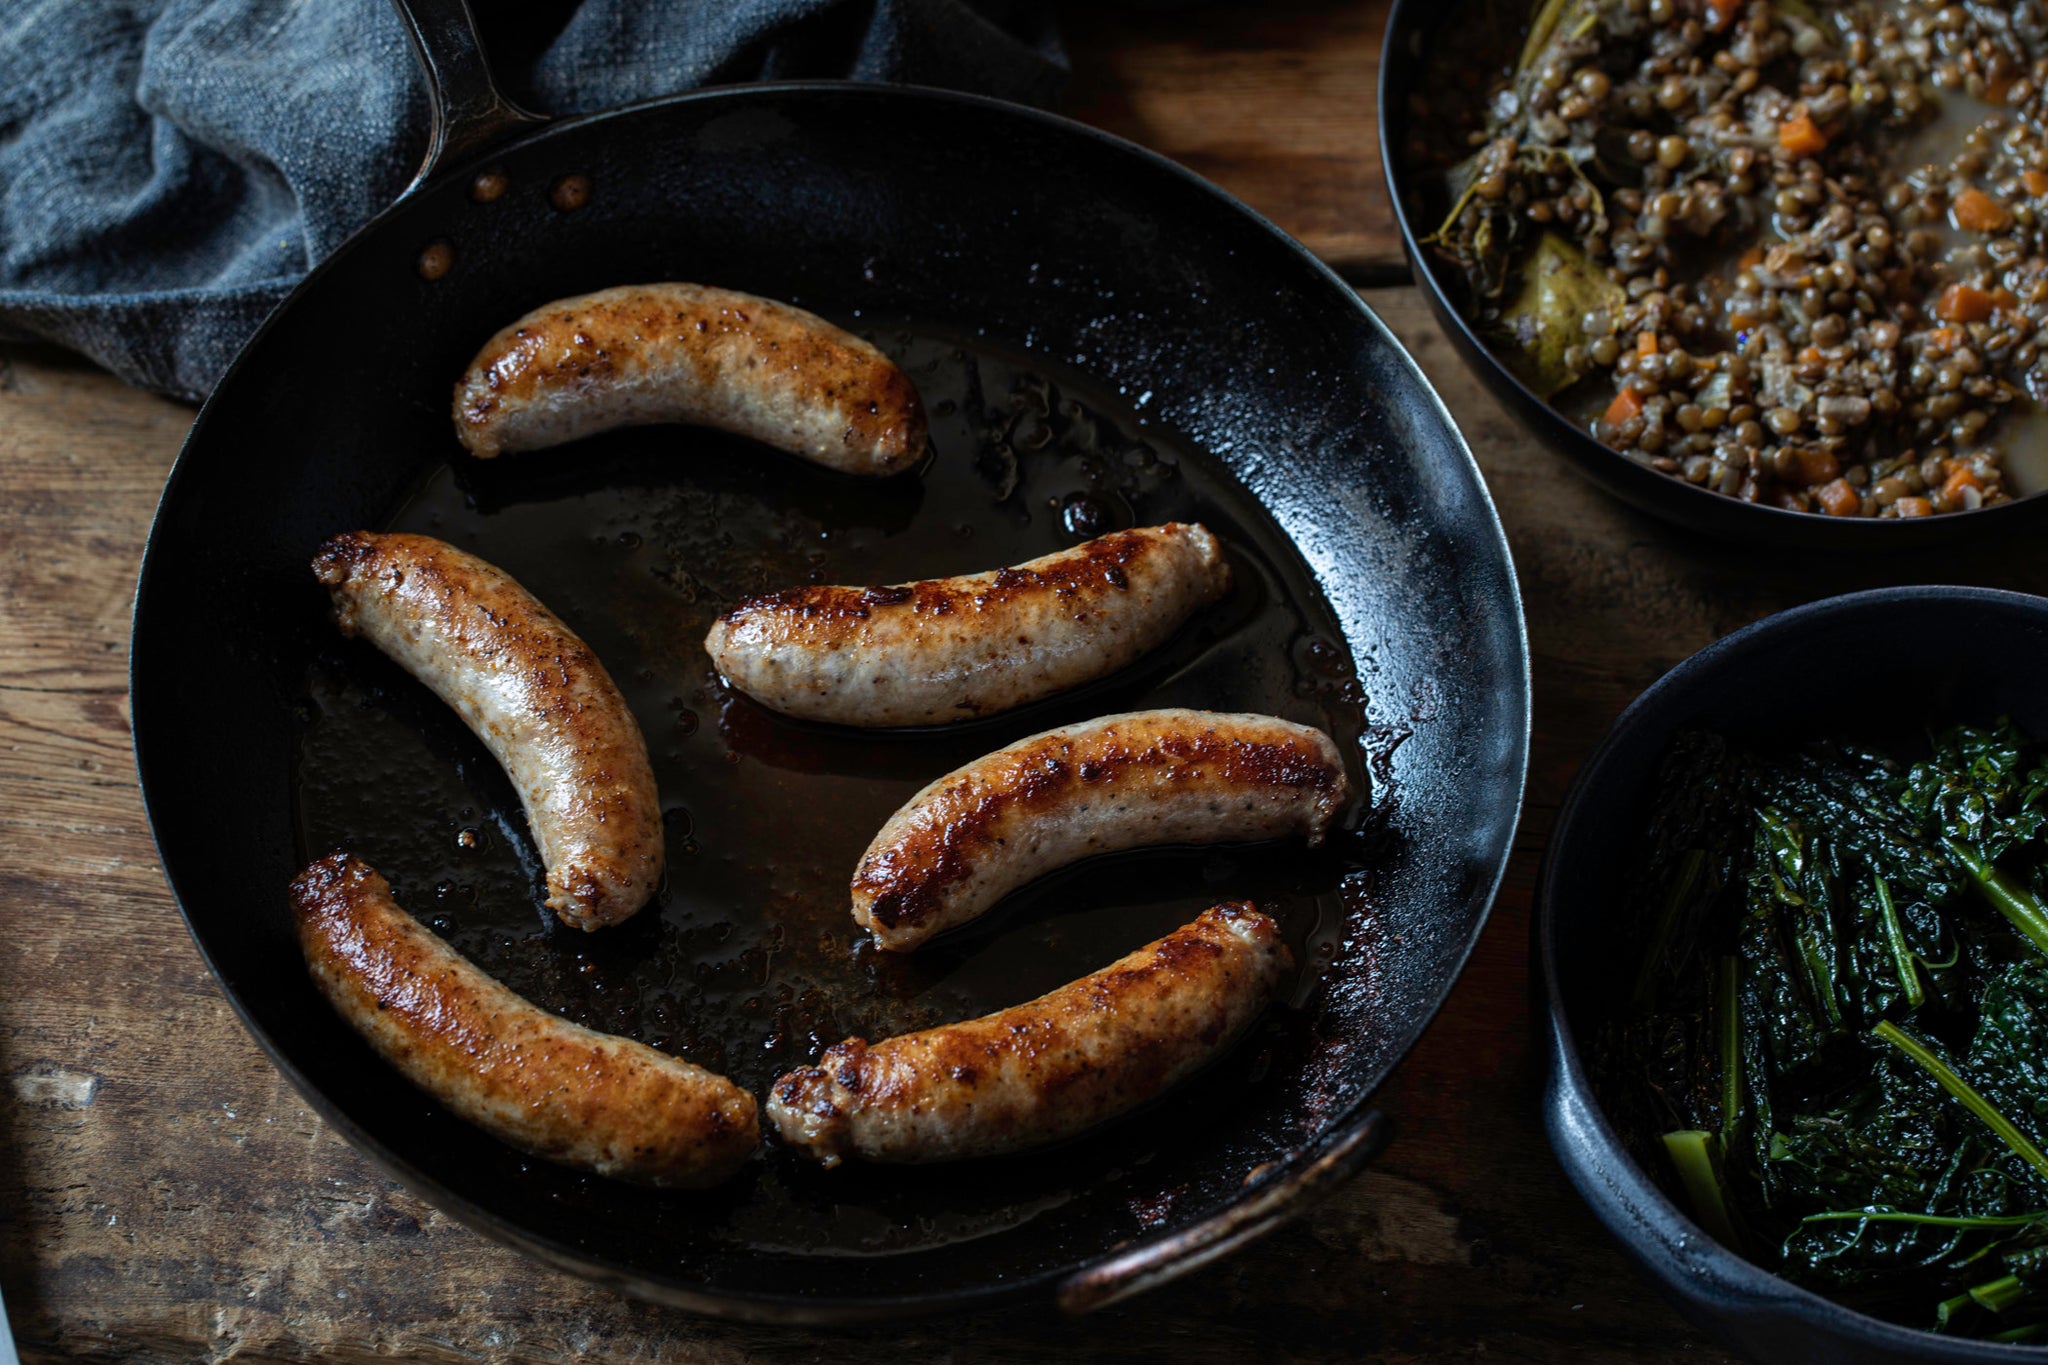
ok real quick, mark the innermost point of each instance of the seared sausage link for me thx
(688, 353)
(532, 692)
(544, 1085)
(1126, 781)
(950, 649)
(1045, 1070)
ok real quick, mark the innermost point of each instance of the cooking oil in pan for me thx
(749, 961)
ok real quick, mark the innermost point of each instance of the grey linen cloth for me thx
(169, 170)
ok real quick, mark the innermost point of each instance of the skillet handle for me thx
(469, 112)
(1148, 1267)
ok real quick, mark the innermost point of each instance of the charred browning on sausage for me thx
(1045, 1070)
(677, 352)
(947, 649)
(546, 1086)
(532, 691)
(1148, 777)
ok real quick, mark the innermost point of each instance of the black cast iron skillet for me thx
(1414, 28)
(1103, 339)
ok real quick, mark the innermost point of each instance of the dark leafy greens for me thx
(1988, 806)
(1835, 1045)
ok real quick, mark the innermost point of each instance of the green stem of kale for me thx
(1820, 976)
(1691, 1151)
(1788, 854)
(1932, 1220)
(1946, 1310)
(1682, 883)
(1730, 1018)
(2000, 1294)
(2020, 1143)
(2007, 896)
(1902, 956)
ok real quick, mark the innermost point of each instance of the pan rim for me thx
(748, 1304)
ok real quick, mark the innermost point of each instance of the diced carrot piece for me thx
(1962, 303)
(2035, 181)
(1741, 322)
(1838, 499)
(1977, 211)
(1944, 338)
(1646, 344)
(1960, 476)
(1810, 355)
(1817, 465)
(1914, 507)
(1721, 13)
(1625, 405)
(1799, 136)
(2003, 298)
(1751, 259)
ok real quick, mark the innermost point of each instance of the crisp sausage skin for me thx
(1045, 1070)
(532, 691)
(1124, 781)
(949, 649)
(689, 353)
(540, 1083)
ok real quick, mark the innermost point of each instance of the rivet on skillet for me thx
(489, 186)
(570, 193)
(436, 259)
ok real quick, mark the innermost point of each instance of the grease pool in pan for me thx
(749, 961)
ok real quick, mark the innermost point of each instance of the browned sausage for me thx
(952, 648)
(538, 1082)
(1126, 781)
(532, 692)
(687, 353)
(1045, 1070)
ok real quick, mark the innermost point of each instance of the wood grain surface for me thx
(1273, 101)
(164, 1195)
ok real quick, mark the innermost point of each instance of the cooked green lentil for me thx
(1793, 253)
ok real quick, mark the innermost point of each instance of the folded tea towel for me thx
(170, 168)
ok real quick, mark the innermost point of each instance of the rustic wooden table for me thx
(164, 1195)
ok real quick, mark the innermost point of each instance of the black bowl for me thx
(1966, 655)
(1412, 28)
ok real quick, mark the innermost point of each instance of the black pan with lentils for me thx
(1790, 251)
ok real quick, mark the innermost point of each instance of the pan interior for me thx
(1101, 342)
(750, 962)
